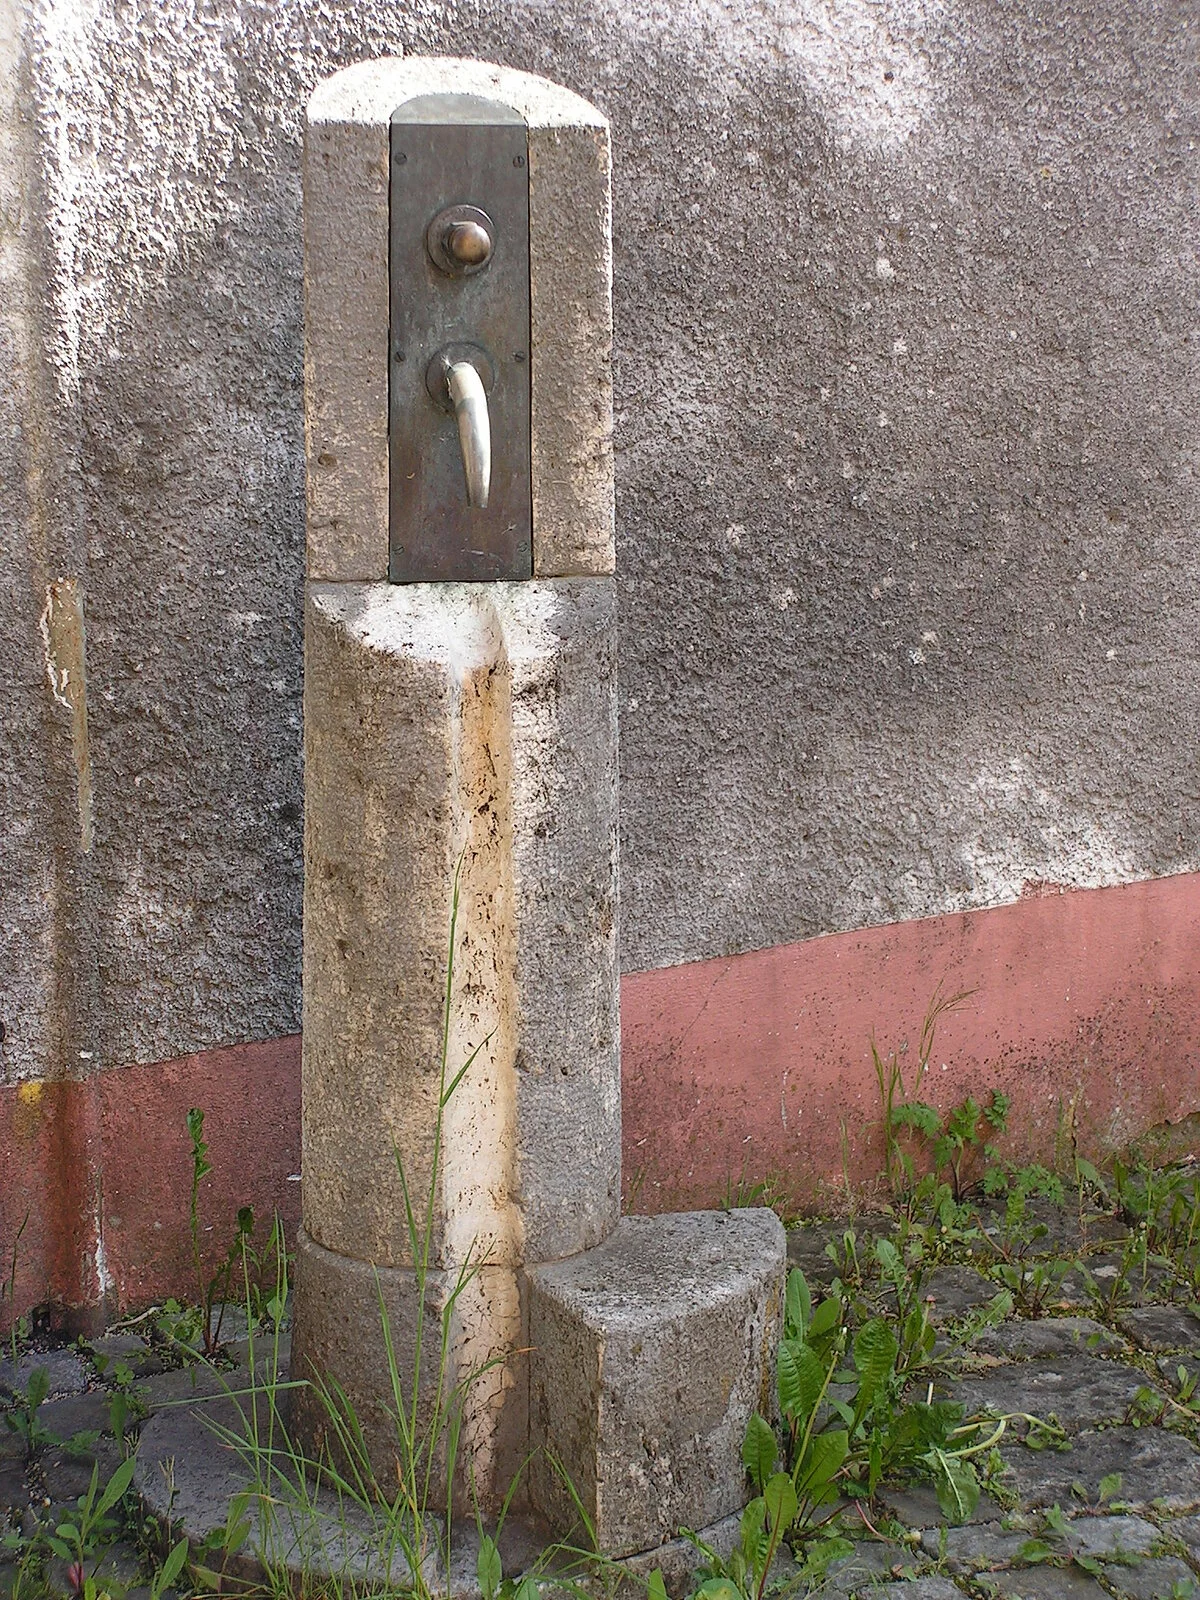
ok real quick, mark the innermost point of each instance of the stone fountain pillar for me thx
(466, 724)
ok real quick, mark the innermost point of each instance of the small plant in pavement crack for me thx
(212, 1291)
(900, 1103)
(1033, 1278)
(83, 1535)
(847, 1423)
(1060, 1542)
(22, 1418)
(8, 1292)
(848, 1415)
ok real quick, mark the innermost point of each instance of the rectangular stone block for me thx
(570, 251)
(562, 657)
(647, 1355)
(346, 313)
(470, 723)
(383, 828)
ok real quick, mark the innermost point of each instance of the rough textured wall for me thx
(41, 861)
(906, 392)
(909, 381)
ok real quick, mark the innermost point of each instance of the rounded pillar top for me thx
(571, 502)
(371, 91)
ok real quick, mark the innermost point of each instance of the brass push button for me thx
(469, 243)
(460, 240)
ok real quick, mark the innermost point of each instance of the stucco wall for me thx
(906, 393)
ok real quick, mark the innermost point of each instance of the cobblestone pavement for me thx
(114, 1381)
(1111, 1361)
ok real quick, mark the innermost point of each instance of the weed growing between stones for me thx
(884, 1381)
(19, 1326)
(903, 1109)
(21, 1417)
(769, 1192)
(855, 1394)
(212, 1291)
(97, 1546)
(913, 1316)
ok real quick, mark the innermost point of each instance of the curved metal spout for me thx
(474, 428)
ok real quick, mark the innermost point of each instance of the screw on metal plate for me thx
(459, 428)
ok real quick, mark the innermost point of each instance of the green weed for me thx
(848, 1419)
(900, 1103)
(212, 1290)
(17, 1328)
(21, 1417)
(85, 1534)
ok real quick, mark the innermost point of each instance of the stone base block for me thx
(186, 1476)
(339, 1339)
(647, 1355)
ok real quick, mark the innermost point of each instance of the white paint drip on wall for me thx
(104, 1278)
(62, 629)
(57, 673)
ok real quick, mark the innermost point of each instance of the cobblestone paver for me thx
(1102, 1363)
(1075, 1391)
(1106, 1502)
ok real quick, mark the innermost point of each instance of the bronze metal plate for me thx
(452, 151)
